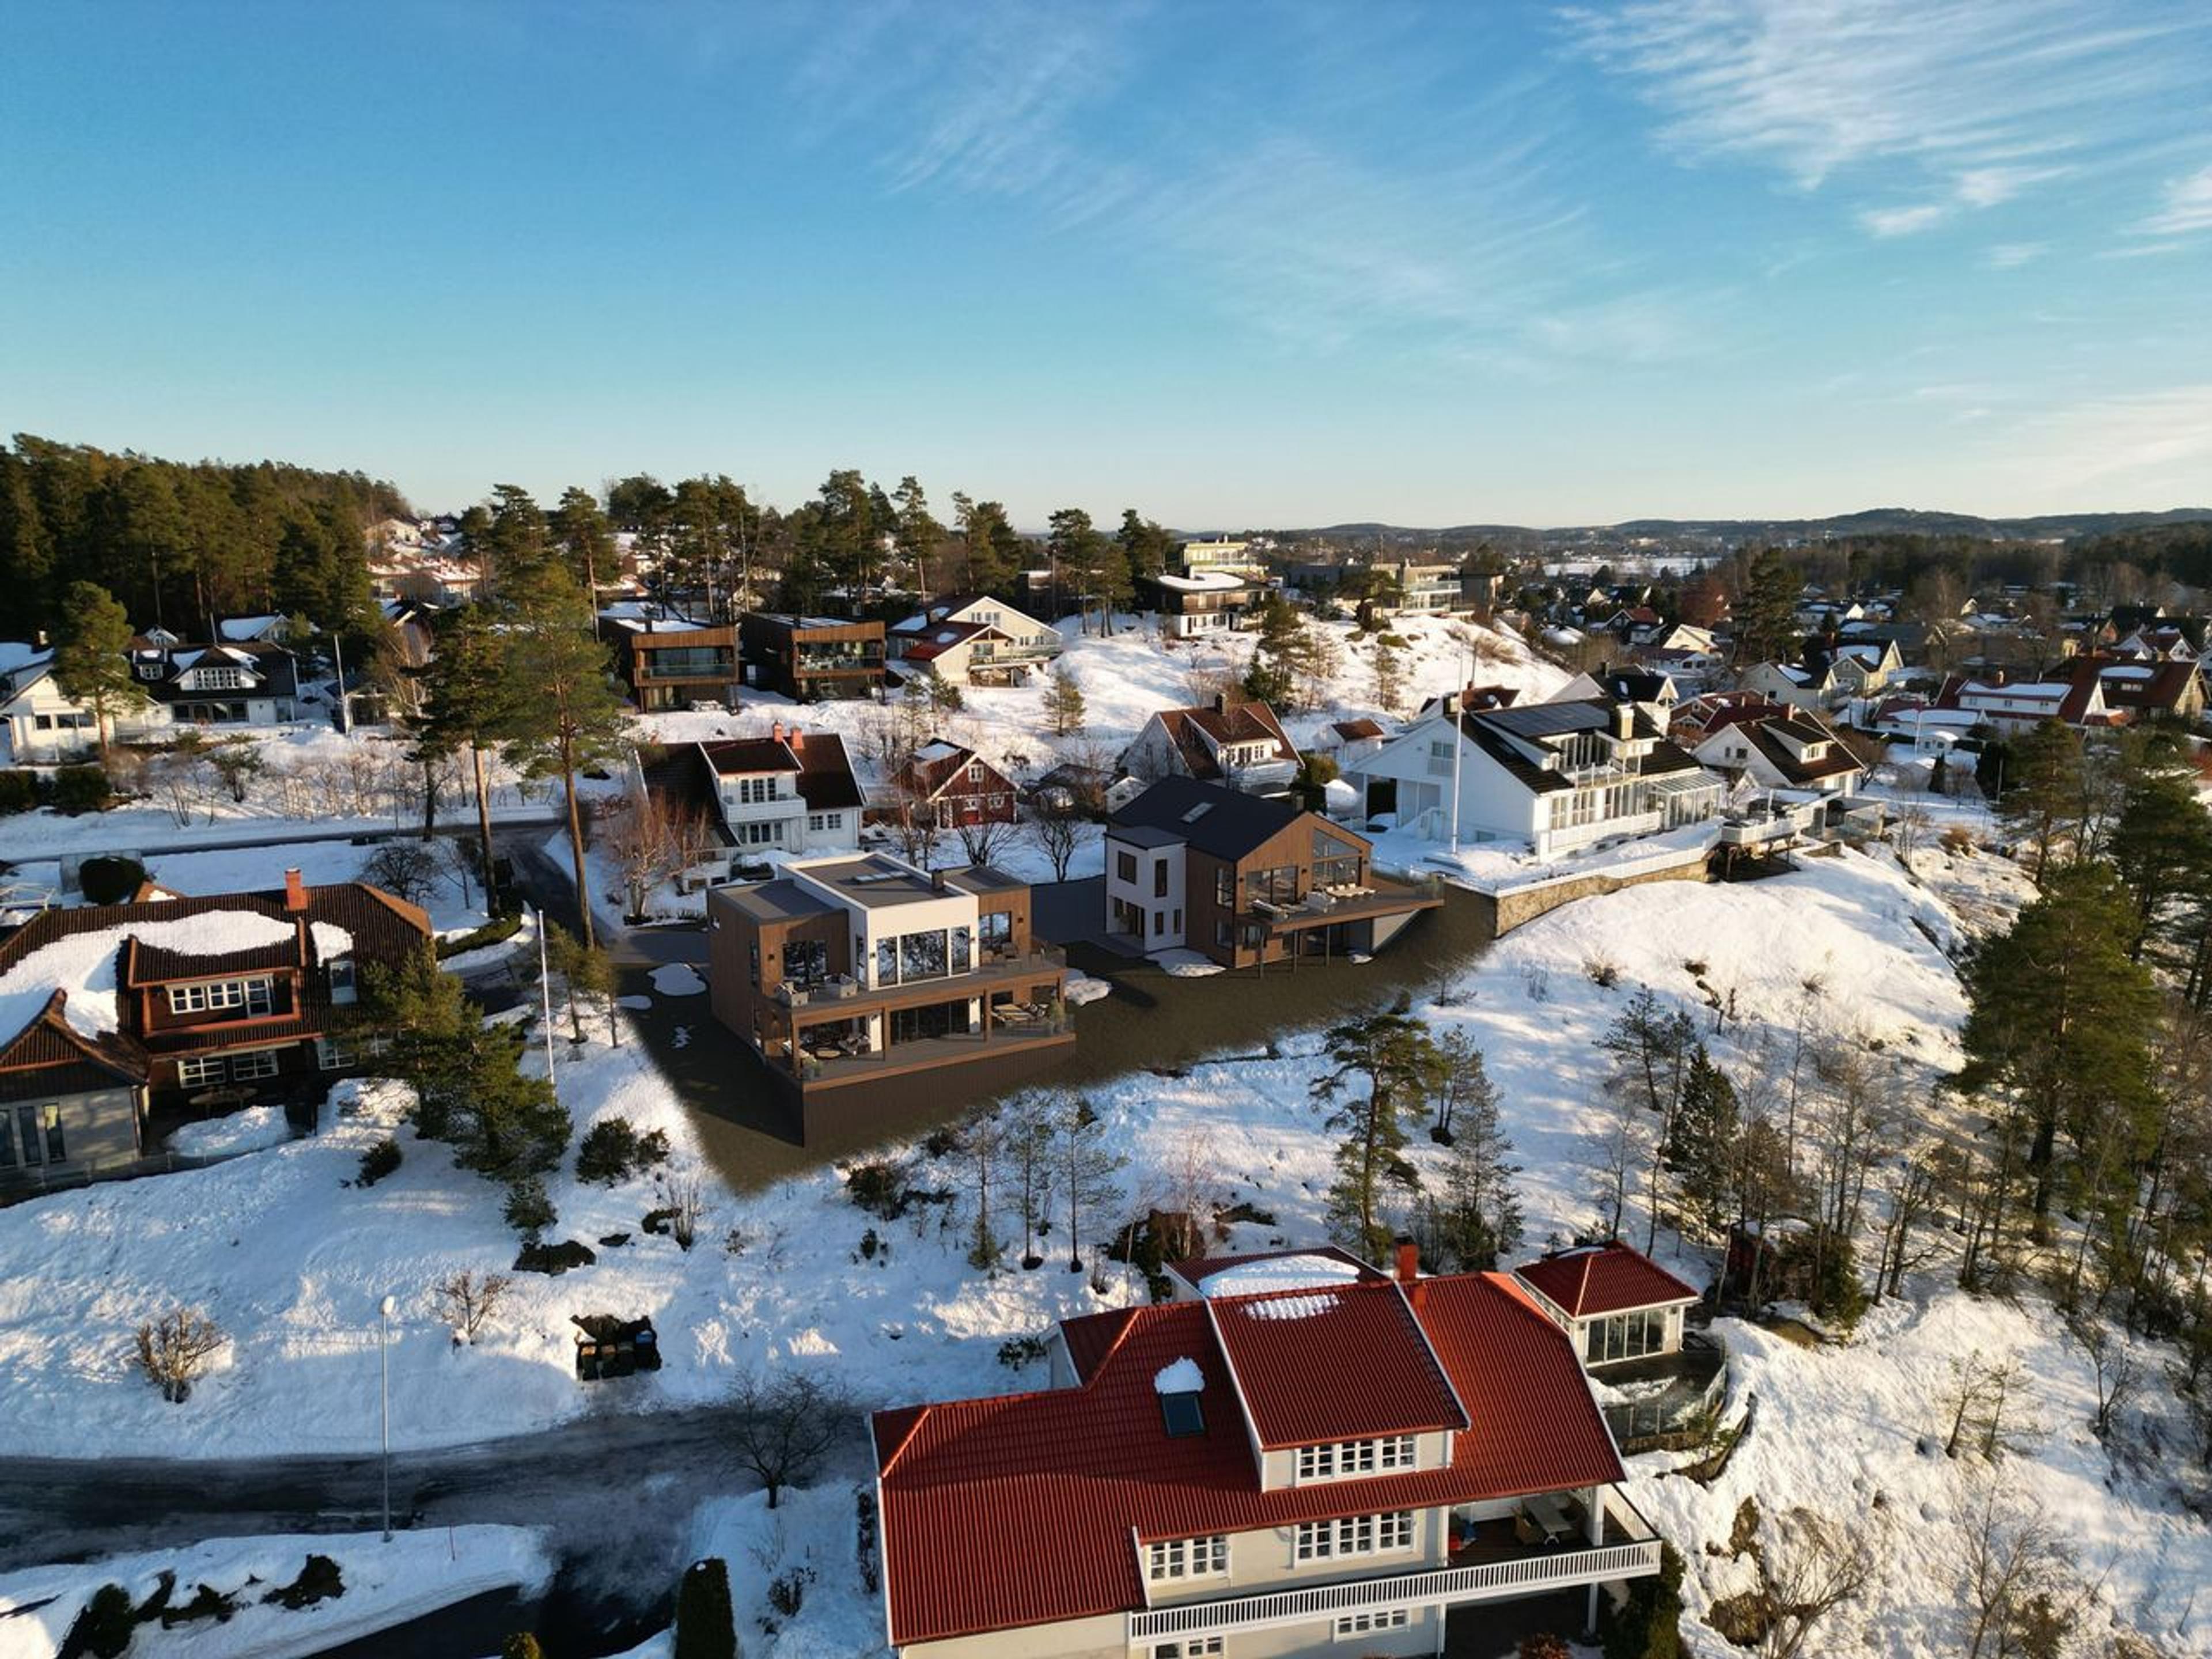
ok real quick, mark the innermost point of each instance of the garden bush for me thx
(18, 792)
(81, 789)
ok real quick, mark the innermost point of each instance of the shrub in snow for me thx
(19, 791)
(553, 1259)
(521, 1645)
(705, 1628)
(174, 1349)
(378, 1162)
(319, 1581)
(787, 1593)
(863, 1515)
(528, 1210)
(1019, 1351)
(467, 1303)
(612, 1148)
(1543, 1644)
(104, 1628)
(109, 880)
(81, 789)
(879, 1187)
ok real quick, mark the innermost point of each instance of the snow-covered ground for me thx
(383, 1584)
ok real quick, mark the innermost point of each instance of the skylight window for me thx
(1198, 811)
(1182, 1415)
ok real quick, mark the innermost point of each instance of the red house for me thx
(954, 785)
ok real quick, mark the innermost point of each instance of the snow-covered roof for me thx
(1203, 581)
(83, 965)
(1280, 1272)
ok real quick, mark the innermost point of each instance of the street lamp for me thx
(384, 1403)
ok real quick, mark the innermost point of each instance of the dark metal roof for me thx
(1221, 822)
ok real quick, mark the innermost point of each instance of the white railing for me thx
(1528, 1574)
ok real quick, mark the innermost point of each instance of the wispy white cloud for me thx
(2009, 255)
(1465, 241)
(1903, 220)
(2156, 445)
(2188, 207)
(1983, 99)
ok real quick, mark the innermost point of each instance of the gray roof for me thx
(782, 900)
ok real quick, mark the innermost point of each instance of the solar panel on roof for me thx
(1546, 719)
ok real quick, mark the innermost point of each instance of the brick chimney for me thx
(1409, 1259)
(797, 739)
(775, 732)
(295, 891)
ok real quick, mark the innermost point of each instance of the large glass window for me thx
(922, 955)
(1627, 1336)
(963, 949)
(1278, 885)
(1125, 866)
(887, 960)
(997, 930)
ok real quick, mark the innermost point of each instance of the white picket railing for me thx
(1528, 1574)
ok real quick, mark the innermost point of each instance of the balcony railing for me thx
(1491, 1581)
(1043, 959)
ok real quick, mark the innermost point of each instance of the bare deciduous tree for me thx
(981, 842)
(467, 1303)
(1190, 1191)
(175, 1350)
(683, 1195)
(1057, 834)
(783, 1428)
(1816, 1566)
(2018, 1581)
(2112, 1369)
(652, 841)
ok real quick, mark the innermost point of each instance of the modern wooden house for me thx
(844, 970)
(670, 663)
(1244, 880)
(811, 658)
(1304, 1457)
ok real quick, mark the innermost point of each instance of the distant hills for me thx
(1874, 521)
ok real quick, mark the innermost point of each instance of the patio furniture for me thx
(1543, 1520)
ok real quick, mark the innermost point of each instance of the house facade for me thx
(1778, 748)
(1201, 602)
(1559, 775)
(810, 659)
(1306, 1457)
(951, 786)
(217, 1000)
(251, 684)
(788, 792)
(973, 640)
(1242, 744)
(846, 970)
(670, 663)
(1245, 881)
(1794, 684)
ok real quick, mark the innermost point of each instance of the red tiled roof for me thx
(1243, 722)
(49, 1056)
(1603, 1278)
(968, 1488)
(1287, 1348)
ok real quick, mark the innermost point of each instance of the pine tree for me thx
(585, 536)
(2044, 794)
(1766, 611)
(468, 702)
(916, 532)
(1063, 703)
(1700, 1147)
(1389, 674)
(92, 659)
(1477, 1217)
(1392, 1055)
(2060, 1018)
(2162, 843)
(564, 713)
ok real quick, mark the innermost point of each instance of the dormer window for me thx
(1186, 1557)
(1342, 1460)
(217, 679)
(342, 980)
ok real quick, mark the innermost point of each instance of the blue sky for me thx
(1230, 264)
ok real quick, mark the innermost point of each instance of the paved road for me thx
(616, 1490)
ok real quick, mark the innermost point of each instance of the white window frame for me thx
(1188, 1647)
(218, 679)
(198, 1071)
(254, 1067)
(1345, 1460)
(256, 995)
(1354, 1534)
(1172, 1560)
(1363, 1624)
